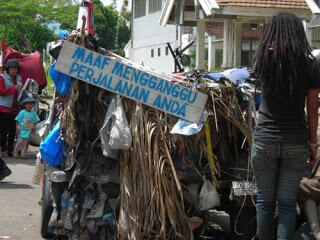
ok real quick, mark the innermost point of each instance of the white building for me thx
(148, 44)
(231, 43)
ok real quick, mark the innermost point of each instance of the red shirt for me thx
(8, 91)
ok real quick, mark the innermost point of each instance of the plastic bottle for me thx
(38, 159)
(64, 205)
(68, 222)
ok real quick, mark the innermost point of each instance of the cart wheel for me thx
(46, 209)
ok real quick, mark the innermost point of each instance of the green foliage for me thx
(106, 20)
(125, 13)
(66, 13)
(123, 36)
(111, 28)
(24, 24)
(38, 35)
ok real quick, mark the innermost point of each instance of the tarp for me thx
(31, 64)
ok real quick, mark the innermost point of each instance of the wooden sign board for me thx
(131, 82)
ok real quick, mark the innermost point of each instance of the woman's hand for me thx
(17, 87)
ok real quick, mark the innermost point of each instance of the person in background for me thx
(309, 195)
(10, 83)
(309, 192)
(289, 75)
(26, 123)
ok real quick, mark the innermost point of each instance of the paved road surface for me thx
(19, 208)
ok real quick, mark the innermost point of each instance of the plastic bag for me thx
(61, 81)
(208, 197)
(237, 75)
(115, 133)
(51, 148)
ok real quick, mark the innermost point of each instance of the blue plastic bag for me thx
(63, 34)
(50, 149)
(61, 81)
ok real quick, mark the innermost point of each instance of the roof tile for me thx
(286, 4)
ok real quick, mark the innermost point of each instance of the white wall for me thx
(164, 63)
(147, 31)
(147, 34)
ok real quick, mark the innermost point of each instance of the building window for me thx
(155, 5)
(152, 53)
(139, 8)
(159, 52)
(167, 51)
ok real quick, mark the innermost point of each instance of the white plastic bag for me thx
(208, 197)
(115, 133)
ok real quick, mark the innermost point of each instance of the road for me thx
(19, 208)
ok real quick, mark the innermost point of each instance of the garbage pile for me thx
(116, 168)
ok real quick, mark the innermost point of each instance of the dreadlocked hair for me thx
(282, 54)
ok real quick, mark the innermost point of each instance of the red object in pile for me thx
(90, 18)
(31, 64)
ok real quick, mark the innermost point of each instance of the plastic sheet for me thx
(214, 76)
(51, 148)
(186, 128)
(115, 133)
(235, 75)
(61, 81)
(30, 64)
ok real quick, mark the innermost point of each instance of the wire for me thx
(245, 198)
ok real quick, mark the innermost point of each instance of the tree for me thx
(38, 36)
(105, 18)
(67, 16)
(24, 24)
(125, 12)
(29, 17)
(111, 28)
(124, 30)
(114, 4)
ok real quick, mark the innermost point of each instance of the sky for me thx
(108, 2)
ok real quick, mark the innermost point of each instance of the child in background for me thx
(26, 122)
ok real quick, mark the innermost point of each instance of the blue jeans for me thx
(278, 169)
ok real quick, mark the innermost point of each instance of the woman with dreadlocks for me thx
(282, 140)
